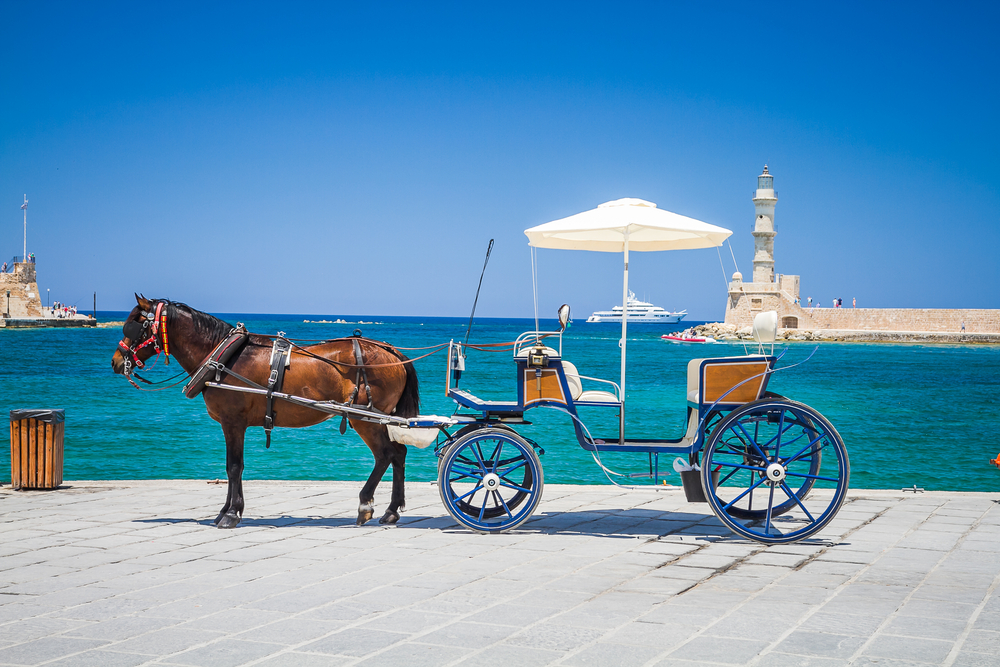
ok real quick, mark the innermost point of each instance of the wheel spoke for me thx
(803, 450)
(495, 456)
(753, 441)
(797, 501)
(479, 456)
(739, 466)
(463, 473)
(515, 487)
(770, 505)
(802, 474)
(466, 495)
(505, 508)
(726, 478)
(514, 467)
(482, 510)
(777, 438)
(750, 490)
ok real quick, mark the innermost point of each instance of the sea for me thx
(910, 414)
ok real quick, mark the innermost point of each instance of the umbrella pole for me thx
(621, 410)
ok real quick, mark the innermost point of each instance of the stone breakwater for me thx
(722, 331)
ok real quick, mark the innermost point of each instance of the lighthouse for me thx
(763, 229)
(766, 290)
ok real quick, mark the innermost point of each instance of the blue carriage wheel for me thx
(490, 480)
(775, 471)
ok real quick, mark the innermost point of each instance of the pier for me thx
(133, 573)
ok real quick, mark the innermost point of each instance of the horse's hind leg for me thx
(232, 511)
(398, 501)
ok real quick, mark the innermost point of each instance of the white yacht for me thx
(639, 312)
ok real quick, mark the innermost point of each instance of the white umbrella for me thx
(623, 225)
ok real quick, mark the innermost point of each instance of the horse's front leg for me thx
(398, 500)
(232, 511)
(229, 492)
(366, 507)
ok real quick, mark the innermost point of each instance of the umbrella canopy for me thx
(646, 228)
(620, 226)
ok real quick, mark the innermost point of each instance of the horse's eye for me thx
(132, 330)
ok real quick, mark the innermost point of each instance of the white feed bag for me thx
(415, 437)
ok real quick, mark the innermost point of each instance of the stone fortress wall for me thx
(906, 319)
(780, 293)
(24, 299)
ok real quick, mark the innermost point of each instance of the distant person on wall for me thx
(4, 267)
(963, 326)
(810, 302)
(854, 302)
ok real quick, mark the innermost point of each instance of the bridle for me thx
(148, 332)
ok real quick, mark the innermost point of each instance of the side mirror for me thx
(563, 316)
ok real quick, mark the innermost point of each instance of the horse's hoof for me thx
(230, 520)
(365, 513)
(389, 518)
(219, 518)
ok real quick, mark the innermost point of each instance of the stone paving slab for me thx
(133, 573)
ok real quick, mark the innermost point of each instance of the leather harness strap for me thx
(280, 358)
(361, 377)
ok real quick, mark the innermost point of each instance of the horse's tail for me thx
(408, 404)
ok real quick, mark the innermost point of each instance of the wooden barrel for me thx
(36, 448)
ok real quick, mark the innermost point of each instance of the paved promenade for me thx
(121, 574)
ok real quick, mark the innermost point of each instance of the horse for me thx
(325, 371)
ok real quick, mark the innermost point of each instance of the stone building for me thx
(780, 293)
(768, 290)
(19, 292)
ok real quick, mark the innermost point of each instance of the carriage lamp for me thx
(456, 358)
(537, 358)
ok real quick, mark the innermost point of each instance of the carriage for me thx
(772, 469)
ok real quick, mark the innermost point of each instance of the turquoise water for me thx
(910, 414)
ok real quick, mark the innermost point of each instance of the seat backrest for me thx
(710, 379)
(525, 351)
(573, 379)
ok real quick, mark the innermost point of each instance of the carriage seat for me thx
(575, 382)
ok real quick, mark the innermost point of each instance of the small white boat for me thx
(684, 337)
(639, 312)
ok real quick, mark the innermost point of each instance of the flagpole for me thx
(24, 251)
(621, 411)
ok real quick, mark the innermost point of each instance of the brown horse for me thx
(326, 371)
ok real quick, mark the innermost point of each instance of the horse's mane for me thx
(209, 326)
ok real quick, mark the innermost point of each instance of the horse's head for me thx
(140, 336)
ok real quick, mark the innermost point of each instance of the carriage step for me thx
(654, 446)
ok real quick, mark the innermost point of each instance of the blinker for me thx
(132, 330)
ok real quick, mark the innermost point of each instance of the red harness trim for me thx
(159, 327)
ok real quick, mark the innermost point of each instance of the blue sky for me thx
(356, 158)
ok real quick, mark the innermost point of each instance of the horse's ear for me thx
(142, 301)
